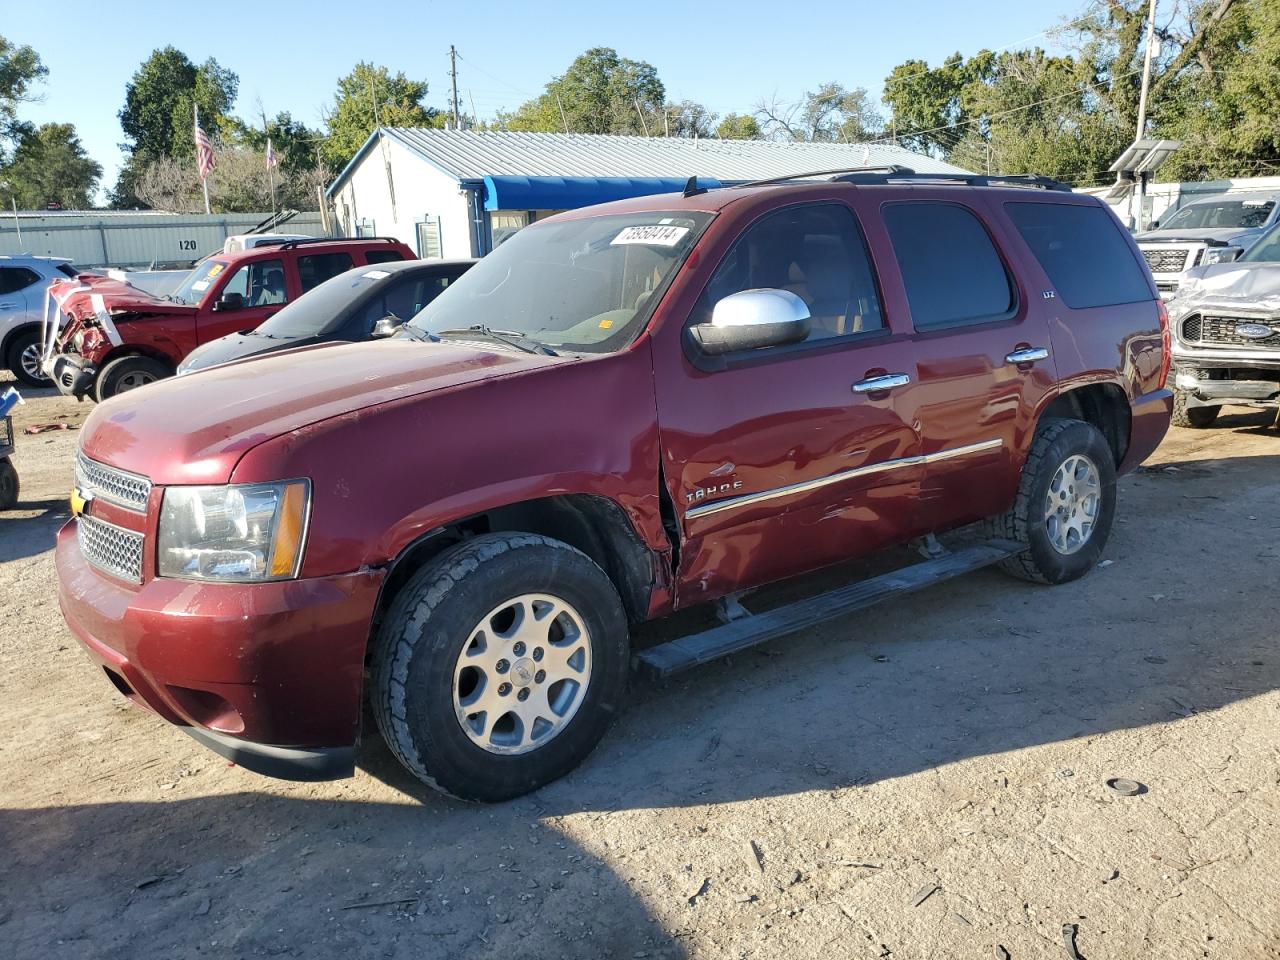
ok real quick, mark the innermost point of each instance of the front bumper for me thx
(1249, 386)
(72, 375)
(269, 675)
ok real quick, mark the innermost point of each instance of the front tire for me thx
(1065, 505)
(500, 665)
(128, 373)
(23, 359)
(1197, 418)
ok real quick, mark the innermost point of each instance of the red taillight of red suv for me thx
(1166, 344)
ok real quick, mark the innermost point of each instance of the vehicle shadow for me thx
(245, 874)
(32, 534)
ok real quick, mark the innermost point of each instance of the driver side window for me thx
(261, 284)
(815, 251)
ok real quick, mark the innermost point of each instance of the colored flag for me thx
(272, 159)
(204, 152)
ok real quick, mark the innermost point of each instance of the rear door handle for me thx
(1027, 355)
(885, 382)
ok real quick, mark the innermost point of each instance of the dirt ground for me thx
(798, 801)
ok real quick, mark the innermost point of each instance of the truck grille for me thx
(1166, 259)
(1222, 331)
(111, 548)
(126, 490)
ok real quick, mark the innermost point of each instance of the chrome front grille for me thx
(1166, 259)
(1221, 331)
(110, 548)
(98, 481)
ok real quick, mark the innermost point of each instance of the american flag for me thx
(272, 159)
(204, 151)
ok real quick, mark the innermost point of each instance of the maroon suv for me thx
(622, 412)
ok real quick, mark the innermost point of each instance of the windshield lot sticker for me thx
(657, 236)
(376, 274)
(200, 285)
(215, 270)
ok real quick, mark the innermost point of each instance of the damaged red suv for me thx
(622, 412)
(116, 337)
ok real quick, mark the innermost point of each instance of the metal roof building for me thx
(458, 193)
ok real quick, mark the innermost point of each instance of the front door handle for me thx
(884, 382)
(1027, 355)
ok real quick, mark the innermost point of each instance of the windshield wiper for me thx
(414, 333)
(509, 337)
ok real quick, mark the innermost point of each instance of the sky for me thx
(289, 55)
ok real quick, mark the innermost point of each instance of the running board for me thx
(696, 649)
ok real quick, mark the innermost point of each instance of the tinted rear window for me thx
(383, 256)
(950, 268)
(1083, 251)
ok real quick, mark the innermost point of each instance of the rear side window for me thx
(70, 269)
(1082, 250)
(390, 255)
(13, 279)
(950, 268)
(815, 251)
(315, 269)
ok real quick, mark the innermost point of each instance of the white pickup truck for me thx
(1217, 229)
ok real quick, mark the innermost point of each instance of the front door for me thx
(787, 459)
(980, 341)
(263, 290)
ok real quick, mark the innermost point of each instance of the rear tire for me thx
(8, 485)
(1065, 504)
(465, 646)
(128, 373)
(23, 359)
(1197, 418)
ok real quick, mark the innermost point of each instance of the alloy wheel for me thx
(522, 674)
(1072, 504)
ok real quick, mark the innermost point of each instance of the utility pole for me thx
(453, 74)
(1144, 176)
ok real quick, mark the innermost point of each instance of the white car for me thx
(23, 282)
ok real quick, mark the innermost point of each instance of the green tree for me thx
(366, 90)
(297, 146)
(20, 70)
(688, 118)
(157, 116)
(50, 166)
(739, 126)
(830, 114)
(599, 93)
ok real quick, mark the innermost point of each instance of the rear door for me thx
(775, 460)
(981, 348)
(14, 302)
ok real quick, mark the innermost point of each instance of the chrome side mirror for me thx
(753, 319)
(386, 327)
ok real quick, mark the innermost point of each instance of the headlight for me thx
(1221, 254)
(243, 532)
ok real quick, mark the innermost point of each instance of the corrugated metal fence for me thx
(101, 238)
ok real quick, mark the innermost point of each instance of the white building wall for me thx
(421, 192)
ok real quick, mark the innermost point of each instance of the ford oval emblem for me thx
(1253, 331)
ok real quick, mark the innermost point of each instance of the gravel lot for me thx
(797, 801)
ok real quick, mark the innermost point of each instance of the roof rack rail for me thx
(955, 179)
(288, 244)
(885, 169)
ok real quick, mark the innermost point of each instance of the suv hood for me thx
(1220, 234)
(195, 429)
(118, 296)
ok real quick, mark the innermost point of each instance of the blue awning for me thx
(568, 193)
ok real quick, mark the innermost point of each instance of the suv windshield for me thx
(1267, 249)
(1221, 213)
(583, 285)
(198, 281)
(325, 307)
